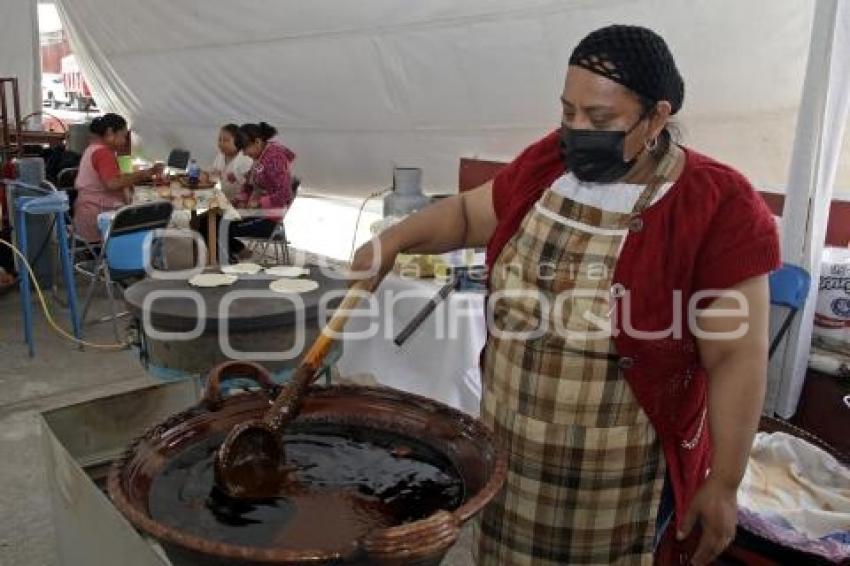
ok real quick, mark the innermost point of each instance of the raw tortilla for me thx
(246, 268)
(212, 280)
(287, 271)
(293, 285)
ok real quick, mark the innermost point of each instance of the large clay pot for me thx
(464, 441)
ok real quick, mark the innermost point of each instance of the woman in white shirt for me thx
(231, 166)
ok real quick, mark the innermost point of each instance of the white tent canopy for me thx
(19, 51)
(358, 87)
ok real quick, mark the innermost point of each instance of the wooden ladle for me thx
(250, 462)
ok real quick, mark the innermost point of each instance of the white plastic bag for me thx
(832, 315)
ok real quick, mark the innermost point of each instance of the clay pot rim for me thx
(276, 555)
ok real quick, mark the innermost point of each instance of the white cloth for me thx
(797, 482)
(232, 174)
(613, 197)
(439, 361)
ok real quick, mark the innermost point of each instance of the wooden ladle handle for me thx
(289, 398)
(317, 352)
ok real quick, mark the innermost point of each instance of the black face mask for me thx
(596, 155)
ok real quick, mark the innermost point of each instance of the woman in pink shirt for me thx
(100, 184)
(269, 184)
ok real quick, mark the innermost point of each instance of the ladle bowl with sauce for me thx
(373, 476)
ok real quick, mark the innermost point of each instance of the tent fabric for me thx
(19, 56)
(356, 88)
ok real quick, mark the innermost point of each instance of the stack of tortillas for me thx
(289, 282)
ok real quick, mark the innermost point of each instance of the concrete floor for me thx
(59, 375)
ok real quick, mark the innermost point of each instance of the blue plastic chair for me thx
(53, 203)
(122, 256)
(789, 287)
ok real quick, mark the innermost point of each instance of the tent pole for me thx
(817, 147)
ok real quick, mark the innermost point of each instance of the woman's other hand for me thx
(148, 175)
(715, 508)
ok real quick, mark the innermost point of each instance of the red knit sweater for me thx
(711, 230)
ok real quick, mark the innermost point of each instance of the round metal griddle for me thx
(269, 327)
(270, 310)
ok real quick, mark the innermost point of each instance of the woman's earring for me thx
(650, 145)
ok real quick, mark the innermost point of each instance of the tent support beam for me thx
(817, 147)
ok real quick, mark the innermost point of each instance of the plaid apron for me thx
(586, 470)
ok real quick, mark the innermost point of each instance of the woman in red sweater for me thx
(625, 364)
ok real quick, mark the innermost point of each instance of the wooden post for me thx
(212, 236)
(4, 116)
(16, 103)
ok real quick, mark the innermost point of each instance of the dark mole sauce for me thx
(347, 482)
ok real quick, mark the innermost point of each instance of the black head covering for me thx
(635, 57)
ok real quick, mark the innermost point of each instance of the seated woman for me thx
(267, 192)
(231, 166)
(100, 184)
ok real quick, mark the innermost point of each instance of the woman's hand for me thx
(374, 259)
(147, 175)
(157, 169)
(715, 506)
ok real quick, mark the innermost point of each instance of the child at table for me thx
(231, 166)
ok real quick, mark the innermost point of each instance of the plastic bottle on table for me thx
(193, 173)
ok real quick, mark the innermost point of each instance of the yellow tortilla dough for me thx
(212, 280)
(293, 285)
